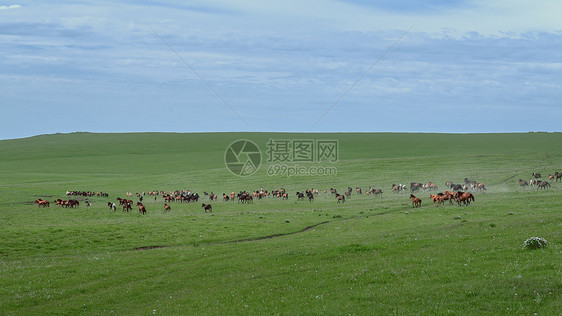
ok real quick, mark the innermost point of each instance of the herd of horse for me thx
(537, 182)
(458, 193)
(460, 197)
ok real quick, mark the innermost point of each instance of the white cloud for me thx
(8, 7)
(292, 54)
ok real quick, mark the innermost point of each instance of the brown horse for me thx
(481, 186)
(416, 202)
(167, 208)
(448, 195)
(41, 202)
(464, 197)
(543, 185)
(436, 198)
(340, 198)
(142, 209)
(207, 207)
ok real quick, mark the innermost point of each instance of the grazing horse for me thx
(536, 175)
(543, 185)
(416, 202)
(481, 186)
(225, 197)
(523, 183)
(111, 206)
(167, 208)
(358, 190)
(558, 176)
(127, 207)
(142, 209)
(207, 207)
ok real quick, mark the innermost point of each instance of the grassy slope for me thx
(375, 257)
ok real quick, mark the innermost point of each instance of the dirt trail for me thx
(261, 237)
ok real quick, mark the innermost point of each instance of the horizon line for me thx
(276, 132)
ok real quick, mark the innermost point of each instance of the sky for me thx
(458, 66)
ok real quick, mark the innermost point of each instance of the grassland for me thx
(367, 256)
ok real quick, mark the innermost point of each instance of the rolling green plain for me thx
(367, 256)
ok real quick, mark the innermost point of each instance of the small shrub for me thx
(337, 216)
(510, 213)
(287, 221)
(492, 225)
(534, 243)
(457, 217)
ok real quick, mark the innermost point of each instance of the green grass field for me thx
(370, 255)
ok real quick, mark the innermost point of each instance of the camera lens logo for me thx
(242, 157)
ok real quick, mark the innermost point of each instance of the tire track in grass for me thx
(504, 181)
(260, 237)
(274, 235)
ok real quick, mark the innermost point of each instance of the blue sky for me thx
(465, 66)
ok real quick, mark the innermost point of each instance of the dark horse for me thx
(142, 209)
(207, 207)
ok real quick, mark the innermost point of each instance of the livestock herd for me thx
(538, 183)
(458, 193)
